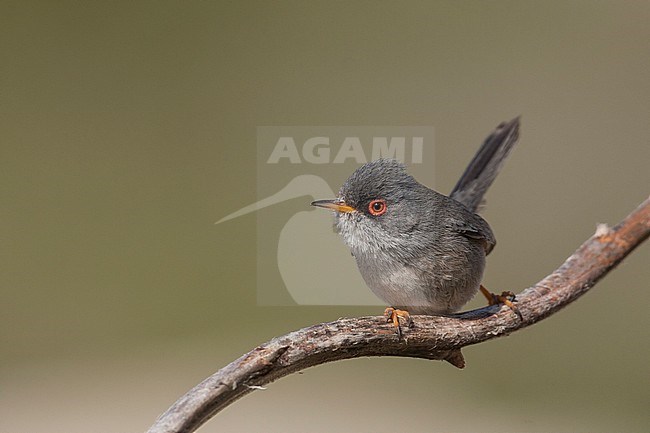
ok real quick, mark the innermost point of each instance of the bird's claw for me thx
(393, 315)
(506, 298)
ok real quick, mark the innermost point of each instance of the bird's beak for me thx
(335, 204)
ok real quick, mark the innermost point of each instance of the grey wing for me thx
(474, 227)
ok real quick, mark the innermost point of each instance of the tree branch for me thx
(431, 337)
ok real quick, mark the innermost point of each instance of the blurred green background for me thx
(128, 129)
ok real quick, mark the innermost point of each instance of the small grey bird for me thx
(417, 249)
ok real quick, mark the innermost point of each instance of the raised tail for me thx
(486, 164)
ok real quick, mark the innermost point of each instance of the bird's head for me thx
(377, 206)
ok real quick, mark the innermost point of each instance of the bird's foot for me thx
(393, 315)
(507, 298)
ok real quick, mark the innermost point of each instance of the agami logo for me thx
(318, 150)
(300, 259)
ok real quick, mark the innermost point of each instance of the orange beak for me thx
(335, 204)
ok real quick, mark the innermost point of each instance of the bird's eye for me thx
(377, 207)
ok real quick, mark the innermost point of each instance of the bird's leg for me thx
(393, 315)
(507, 298)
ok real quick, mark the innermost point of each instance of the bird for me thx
(420, 251)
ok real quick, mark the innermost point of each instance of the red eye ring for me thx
(377, 207)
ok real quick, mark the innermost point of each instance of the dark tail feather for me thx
(481, 172)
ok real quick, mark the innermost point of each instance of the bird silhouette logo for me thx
(322, 275)
(313, 264)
